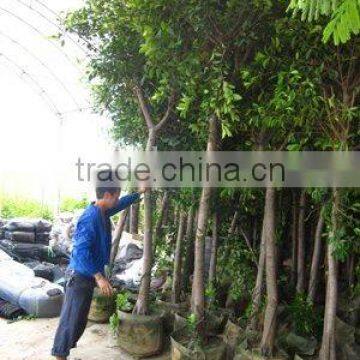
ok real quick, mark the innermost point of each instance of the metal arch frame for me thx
(19, 18)
(31, 54)
(54, 23)
(50, 21)
(42, 93)
(47, 98)
(54, 13)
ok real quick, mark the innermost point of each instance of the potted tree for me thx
(144, 100)
(101, 307)
(136, 334)
(192, 341)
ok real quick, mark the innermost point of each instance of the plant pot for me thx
(216, 320)
(170, 310)
(183, 306)
(215, 350)
(179, 322)
(254, 354)
(101, 307)
(231, 336)
(140, 335)
(214, 323)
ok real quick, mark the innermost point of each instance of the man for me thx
(90, 254)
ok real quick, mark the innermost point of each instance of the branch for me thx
(143, 107)
(117, 237)
(282, 146)
(355, 82)
(247, 240)
(167, 113)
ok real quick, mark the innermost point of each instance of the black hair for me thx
(101, 190)
(106, 182)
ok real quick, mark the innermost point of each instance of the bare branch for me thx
(247, 241)
(167, 113)
(143, 107)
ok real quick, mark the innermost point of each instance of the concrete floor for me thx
(32, 340)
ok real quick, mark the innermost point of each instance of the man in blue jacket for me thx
(90, 254)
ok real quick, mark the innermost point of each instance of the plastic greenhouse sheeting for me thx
(2, 228)
(20, 286)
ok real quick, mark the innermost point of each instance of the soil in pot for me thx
(182, 348)
(101, 307)
(140, 335)
(254, 354)
(231, 336)
(214, 325)
(170, 310)
(216, 320)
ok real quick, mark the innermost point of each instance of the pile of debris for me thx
(27, 231)
(32, 272)
(63, 231)
(27, 241)
(41, 251)
(20, 287)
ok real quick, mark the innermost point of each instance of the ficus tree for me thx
(126, 88)
(179, 75)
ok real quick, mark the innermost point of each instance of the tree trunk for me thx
(214, 245)
(176, 216)
(350, 270)
(258, 289)
(165, 219)
(328, 351)
(117, 236)
(314, 272)
(176, 289)
(163, 209)
(127, 222)
(189, 253)
(142, 304)
(134, 222)
(234, 222)
(300, 285)
(268, 337)
(254, 232)
(198, 283)
(294, 233)
(232, 230)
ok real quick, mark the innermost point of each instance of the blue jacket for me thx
(92, 238)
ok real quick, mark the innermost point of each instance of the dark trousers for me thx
(74, 313)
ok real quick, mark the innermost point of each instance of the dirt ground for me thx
(32, 340)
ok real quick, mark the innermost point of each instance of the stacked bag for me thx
(28, 231)
(2, 230)
(20, 287)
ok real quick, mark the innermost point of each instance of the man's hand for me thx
(142, 190)
(103, 284)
